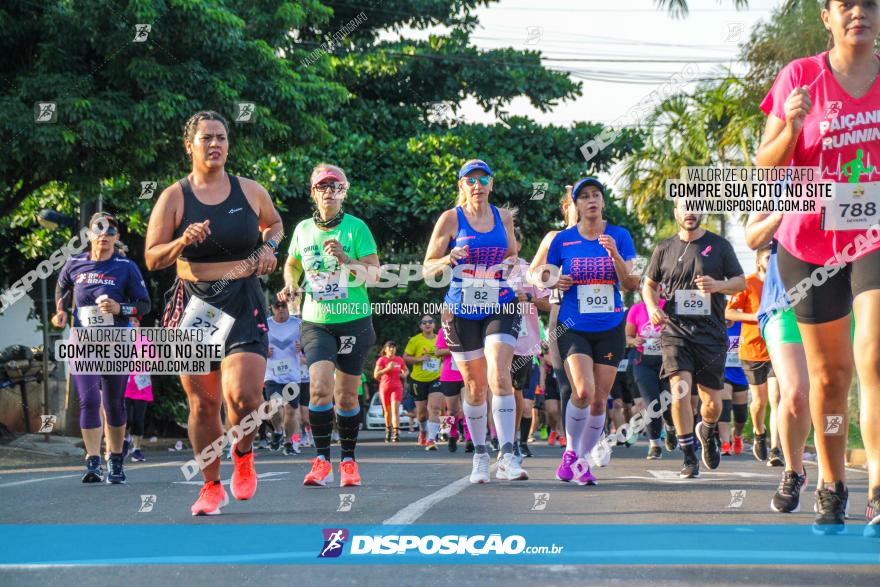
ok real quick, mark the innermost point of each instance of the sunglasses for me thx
(426, 322)
(334, 187)
(108, 230)
(484, 180)
(280, 306)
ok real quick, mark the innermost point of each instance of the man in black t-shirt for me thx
(696, 268)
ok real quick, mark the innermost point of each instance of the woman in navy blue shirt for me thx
(107, 290)
(595, 258)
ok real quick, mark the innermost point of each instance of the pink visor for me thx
(327, 174)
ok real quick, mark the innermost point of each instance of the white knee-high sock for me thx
(592, 433)
(575, 424)
(504, 415)
(476, 422)
(433, 429)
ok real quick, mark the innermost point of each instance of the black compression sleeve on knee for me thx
(348, 426)
(564, 390)
(740, 413)
(322, 427)
(525, 425)
(726, 405)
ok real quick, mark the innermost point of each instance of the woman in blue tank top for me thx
(482, 322)
(595, 260)
(220, 232)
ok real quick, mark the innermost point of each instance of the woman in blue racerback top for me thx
(482, 323)
(220, 232)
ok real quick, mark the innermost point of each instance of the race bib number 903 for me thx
(595, 299)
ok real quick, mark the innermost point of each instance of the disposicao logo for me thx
(334, 540)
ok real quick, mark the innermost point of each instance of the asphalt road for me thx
(406, 485)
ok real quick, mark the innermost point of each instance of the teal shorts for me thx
(782, 328)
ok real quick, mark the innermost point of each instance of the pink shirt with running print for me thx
(448, 369)
(638, 317)
(835, 131)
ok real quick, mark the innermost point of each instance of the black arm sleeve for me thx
(63, 293)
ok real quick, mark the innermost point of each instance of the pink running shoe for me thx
(564, 472)
(585, 478)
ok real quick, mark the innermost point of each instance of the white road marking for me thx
(417, 509)
(264, 476)
(27, 481)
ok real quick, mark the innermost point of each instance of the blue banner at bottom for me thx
(164, 544)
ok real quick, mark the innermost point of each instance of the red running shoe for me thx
(244, 477)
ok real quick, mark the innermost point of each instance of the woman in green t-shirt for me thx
(337, 329)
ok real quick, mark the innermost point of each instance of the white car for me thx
(376, 415)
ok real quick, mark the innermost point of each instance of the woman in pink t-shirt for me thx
(824, 111)
(451, 383)
(645, 337)
(390, 370)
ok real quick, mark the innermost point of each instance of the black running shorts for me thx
(345, 344)
(705, 361)
(832, 299)
(467, 338)
(606, 347)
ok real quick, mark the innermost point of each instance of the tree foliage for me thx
(385, 109)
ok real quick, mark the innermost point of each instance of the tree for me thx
(679, 8)
(325, 88)
(720, 122)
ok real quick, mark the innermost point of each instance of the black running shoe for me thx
(872, 516)
(671, 440)
(387, 435)
(691, 468)
(288, 448)
(654, 453)
(526, 451)
(469, 446)
(759, 449)
(775, 459)
(452, 444)
(787, 499)
(831, 505)
(115, 475)
(275, 444)
(395, 436)
(711, 452)
(94, 472)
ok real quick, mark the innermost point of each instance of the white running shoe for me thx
(480, 470)
(510, 470)
(295, 446)
(600, 456)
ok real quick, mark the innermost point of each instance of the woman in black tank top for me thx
(221, 232)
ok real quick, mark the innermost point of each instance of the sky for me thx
(580, 37)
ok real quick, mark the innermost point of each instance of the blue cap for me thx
(472, 165)
(585, 182)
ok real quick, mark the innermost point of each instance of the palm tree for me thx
(679, 8)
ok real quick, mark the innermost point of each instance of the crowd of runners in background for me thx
(701, 350)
